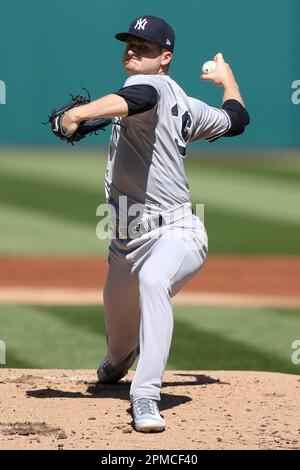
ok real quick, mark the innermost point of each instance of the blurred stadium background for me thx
(49, 192)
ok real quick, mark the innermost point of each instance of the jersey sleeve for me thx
(139, 98)
(208, 123)
(152, 80)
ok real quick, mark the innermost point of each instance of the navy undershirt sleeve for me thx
(239, 117)
(139, 98)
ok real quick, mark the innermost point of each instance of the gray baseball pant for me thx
(143, 276)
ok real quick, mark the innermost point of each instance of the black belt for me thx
(140, 228)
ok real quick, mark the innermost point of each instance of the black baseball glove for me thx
(84, 129)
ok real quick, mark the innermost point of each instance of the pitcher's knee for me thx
(153, 280)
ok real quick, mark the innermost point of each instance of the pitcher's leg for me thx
(170, 259)
(122, 311)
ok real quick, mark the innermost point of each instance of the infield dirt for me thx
(262, 281)
(66, 409)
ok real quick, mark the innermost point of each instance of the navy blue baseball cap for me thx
(152, 29)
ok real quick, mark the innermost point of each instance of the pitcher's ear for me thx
(167, 56)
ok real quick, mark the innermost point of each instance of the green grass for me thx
(62, 337)
(48, 201)
(204, 338)
(266, 199)
(229, 232)
(282, 166)
(235, 338)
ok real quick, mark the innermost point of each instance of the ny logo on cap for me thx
(141, 23)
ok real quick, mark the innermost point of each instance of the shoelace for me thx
(145, 406)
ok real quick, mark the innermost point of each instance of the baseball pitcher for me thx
(150, 260)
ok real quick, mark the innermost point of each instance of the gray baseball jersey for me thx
(145, 160)
(145, 163)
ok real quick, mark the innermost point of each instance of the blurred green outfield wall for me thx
(52, 48)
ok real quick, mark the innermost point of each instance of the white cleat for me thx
(146, 416)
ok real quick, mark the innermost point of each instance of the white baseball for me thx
(209, 66)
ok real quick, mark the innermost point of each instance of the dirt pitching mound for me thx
(57, 409)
